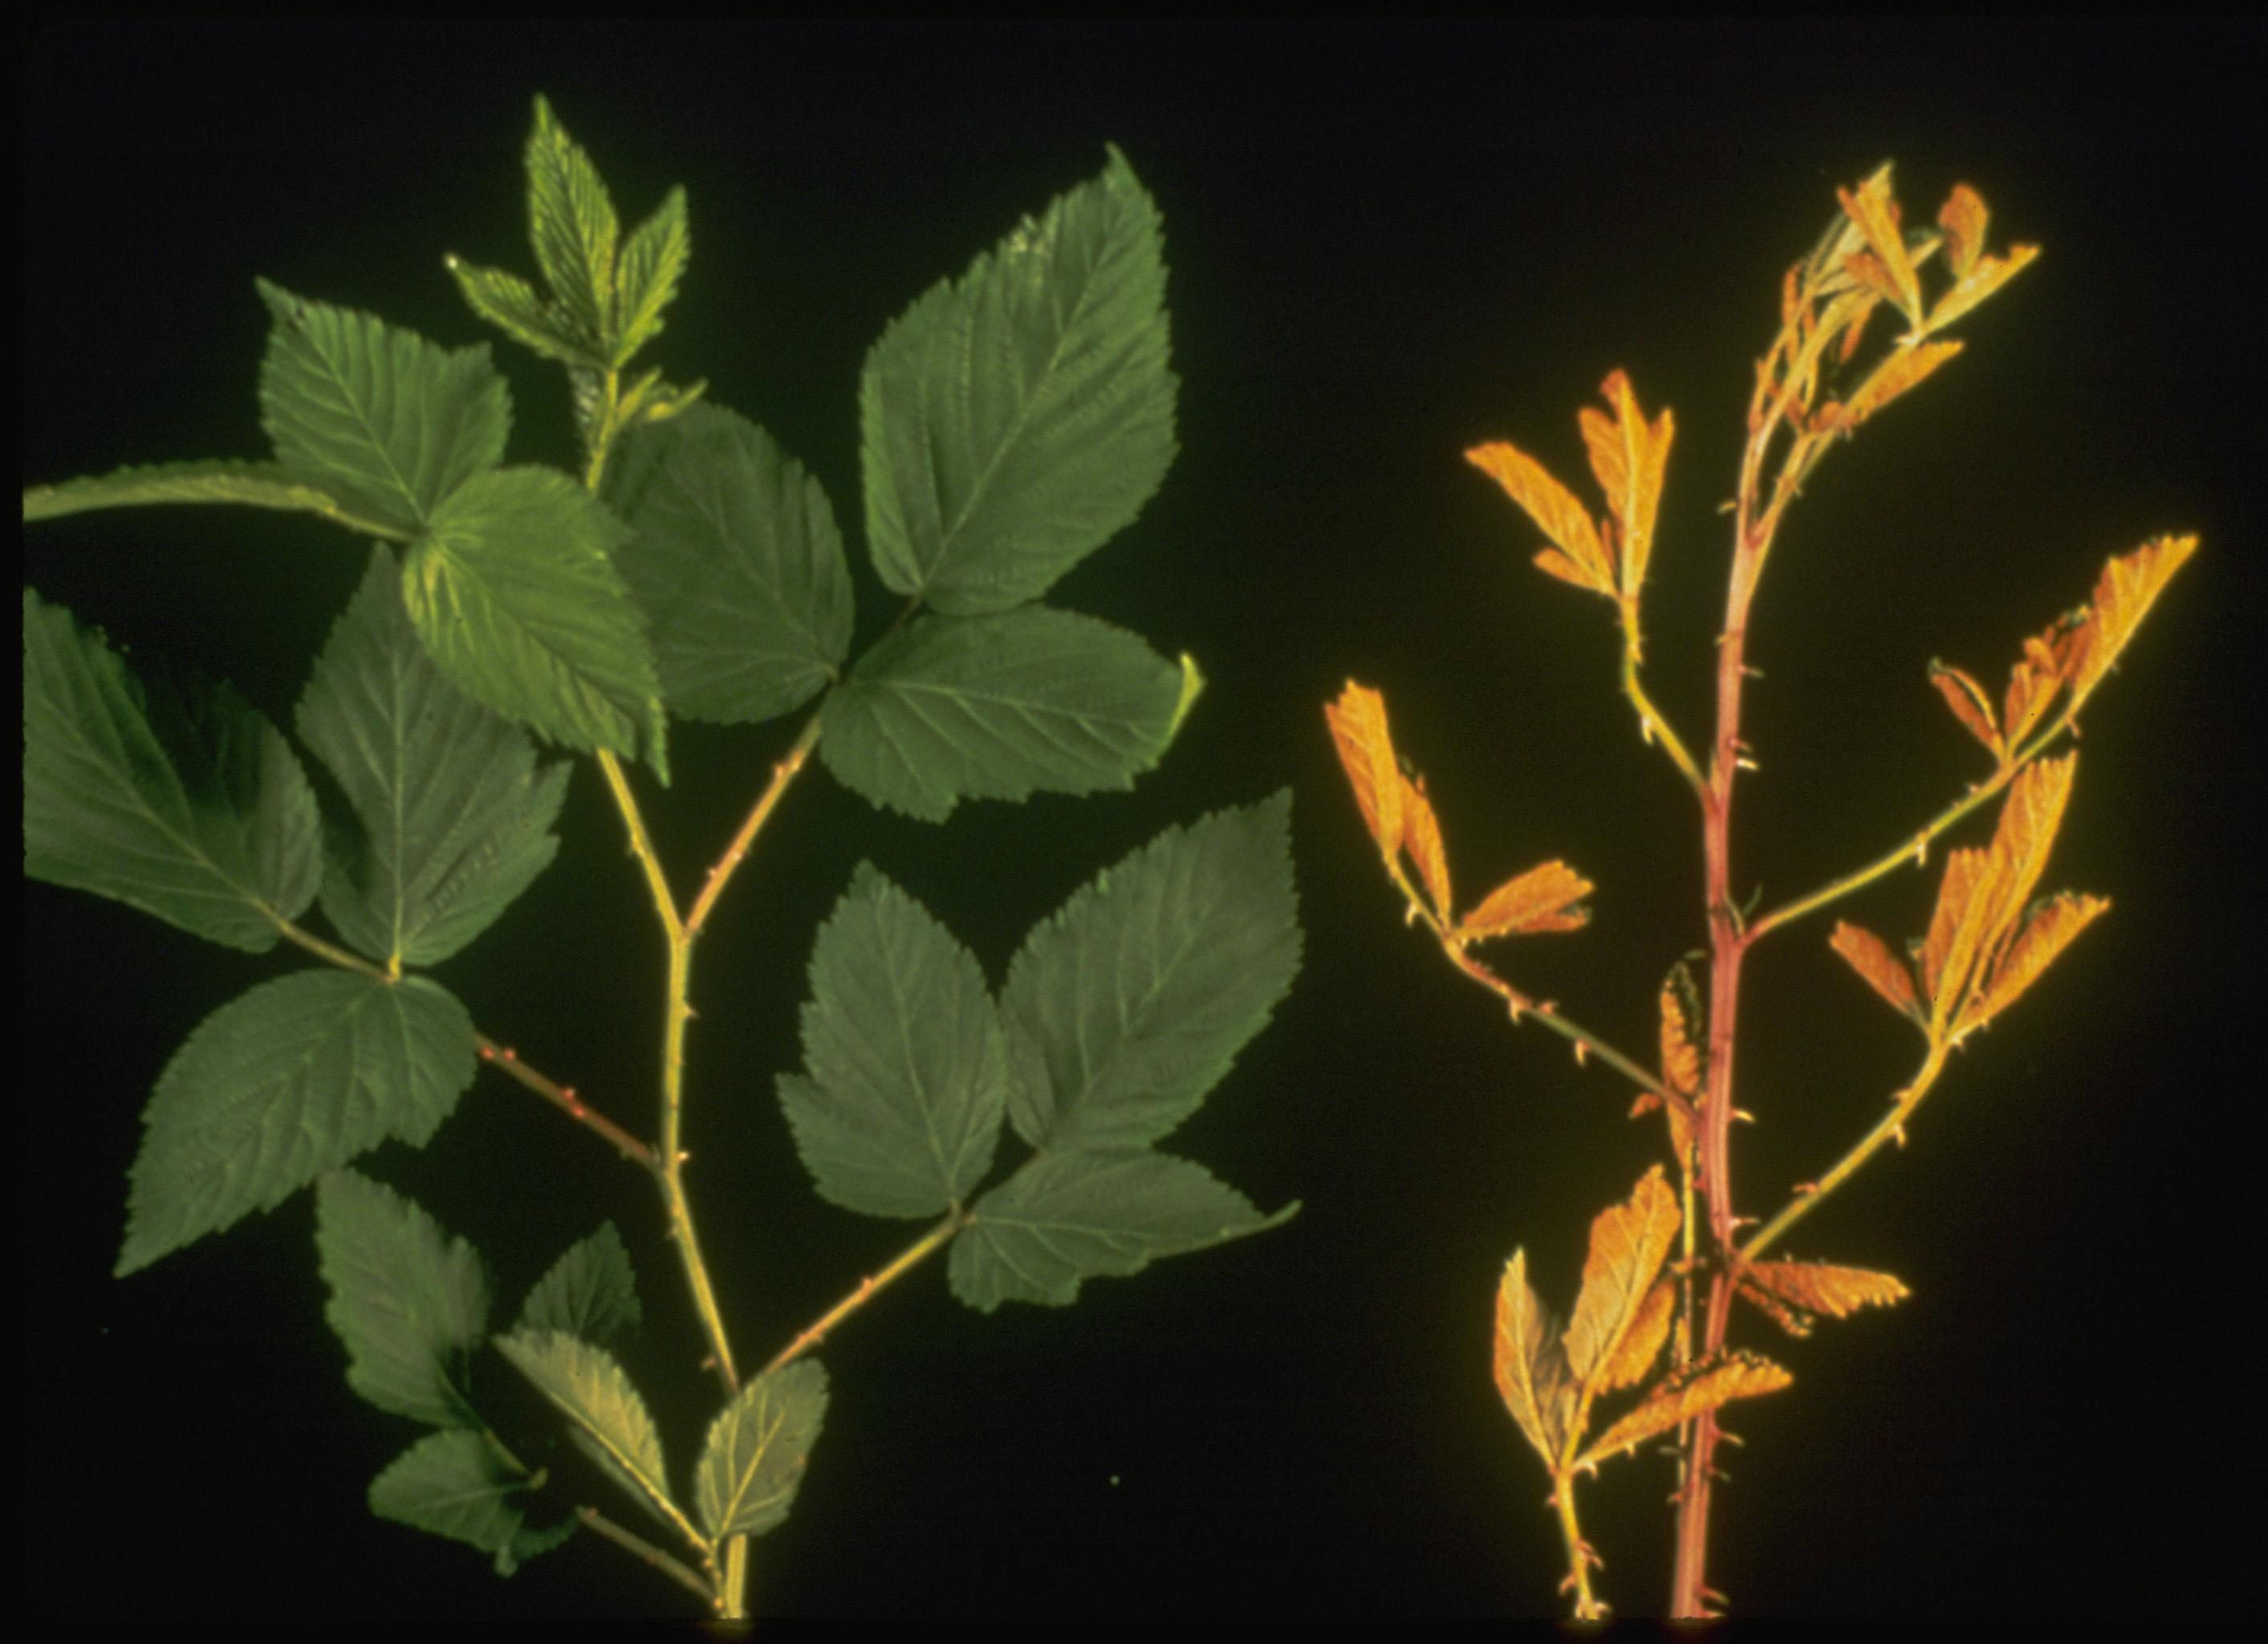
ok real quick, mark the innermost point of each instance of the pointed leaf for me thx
(2048, 931)
(1812, 1288)
(451, 819)
(2039, 676)
(1871, 958)
(1962, 216)
(2030, 818)
(1875, 212)
(375, 416)
(1681, 1397)
(1358, 728)
(1422, 833)
(1956, 934)
(514, 593)
(261, 484)
(652, 262)
(409, 1302)
(1641, 1344)
(590, 1292)
(1529, 1364)
(901, 1112)
(998, 708)
(571, 224)
(2129, 587)
(1972, 288)
(514, 307)
(1556, 513)
(1907, 369)
(457, 1484)
(591, 1391)
(757, 1449)
(1537, 900)
(1630, 456)
(1139, 992)
(1970, 705)
(1629, 1243)
(1086, 1213)
(1015, 420)
(296, 1077)
(737, 564)
(197, 813)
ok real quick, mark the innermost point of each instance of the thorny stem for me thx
(782, 773)
(1651, 724)
(912, 1256)
(1579, 1556)
(644, 1551)
(1892, 1127)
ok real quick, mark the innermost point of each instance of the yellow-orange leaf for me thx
(2129, 585)
(1641, 1344)
(1875, 215)
(1555, 510)
(1967, 699)
(1778, 1311)
(2039, 674)
(1956, 932)
(1539, 900)
(1907, 369)
(1871, 958)
(1821, 1288)
(1679, 1398)
(1629, 1243)
(2046, 934)
(1962, 218)
(1681, 1062)
(1630, 456)
(2030, 818)
(1972, 288)
(1421, 836)
(1530, 1369)
(1357, 722)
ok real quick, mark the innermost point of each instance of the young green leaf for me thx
(260, 484)
(457, 1484)
(376, 416)
(998, 707)
(571, 225)
(757, 1449)
(1089, 1213)
(1139, 990)
(513, 307)
(195, 812)
(514, 593)
(900, 1110)
(653, 260)
(1015, 420)
(296, 1077)
(590, 1292)
(451, 820)
(736, 561)
(591, 1391)
(409, 1302)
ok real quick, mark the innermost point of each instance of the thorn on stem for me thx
(1744, 1115)
(511, 1055)
(1582, 1053)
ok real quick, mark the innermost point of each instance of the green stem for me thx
(935, 1239)
(1892, 1127)
(1588, 1607)
(646, 1552)
(1650, 722)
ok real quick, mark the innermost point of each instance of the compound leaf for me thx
(195, 812)
(296, 1077)
(1015, 420)
(1137, 994)
(409, 1302)
(757, 1449)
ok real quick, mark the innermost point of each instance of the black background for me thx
(1387, 243)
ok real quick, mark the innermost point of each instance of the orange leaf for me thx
(1870, 956)
(1357, 722)
(1962, 218)
(1907, 369)
(1972, 288)
(1555, 510)
(1537, 900)
(1630, 456)
(1820, 1287)
(1681, 1396)
(1629, 1243)
(1681, 1062)
(2123, 597)
(2029, 820)
(1967, 699)
(1530, 1369)
(1786, 1318)
(1641, 1345)
(2039, 674)
(1955, 933)
(2046, 933)
(1421, 837)
(1875, 214)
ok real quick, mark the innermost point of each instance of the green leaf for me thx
(757, 1449)
(901, 1112)
(591, 1389)
(736, 561)
(262, 484)
(197, 813)
(515, 307)
(1135, 997)
(296, 1077)
(451, 819)
(1089, 1213)
(571, 224)
(380, 418)
(590, 1292)
(515, 595)
(653, 260)
(997, 707)
(1014, 420)
(409, 1302)
(457, 1485)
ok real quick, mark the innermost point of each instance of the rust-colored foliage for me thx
(1988, 939)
